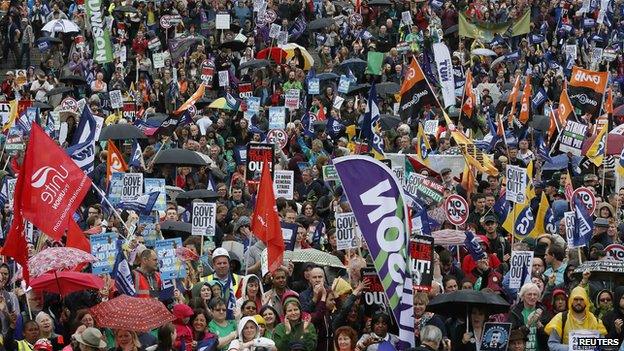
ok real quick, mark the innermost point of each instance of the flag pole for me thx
(112, 208)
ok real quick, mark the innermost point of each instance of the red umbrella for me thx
(57, 258)
(64, 283)
(615, 142)
(619, 111)
(131, 313)
(277, 54)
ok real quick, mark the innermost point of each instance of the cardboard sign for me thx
(330, 174)
(204, 219)
(284, 184)
(224, 79)
(116, 99)
(132, 186)
(456, 209)
(314, 86)
(149, 230)
(222, 21)
(291, 99)
(245, 90)
(274, 31)
(572, 137)
(516, 184)
(421, 261)
(256, 154)
(157, 184)
(406, 18)
(171, 267)
(103, 246)
(207, 72)
(587, 197)
(347, 233)
(431, 127)
(520, 268)
(343, 84)
(277, 117)
(495, 336)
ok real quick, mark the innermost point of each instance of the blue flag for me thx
(212, 185)
(334, 127)
(583, 224)
(122, 273)
(473, 246)
(137, 159)
(372, 124)
(82, 149)
(318, 233)
(539, 98)
(142, 204)
(308, 128)
(542, 150)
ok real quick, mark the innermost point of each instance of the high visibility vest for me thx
(236, 281)
(142, 287)
(23, 345)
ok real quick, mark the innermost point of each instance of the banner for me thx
(171, 267)
(284, 184)
(428, 191)
(445, 73)
(103, 247)
(347, 235)
(157, 184)
(256, 153)
(520, 268)
(204, 219)
(572, 137)
(102, 49)
(374, 62)
(421, 262)
(415, 93)
(381, 213)
(132, 186)
(487, 31)
(587, 89)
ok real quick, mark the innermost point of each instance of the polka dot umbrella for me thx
(57, 258)
(131, 313)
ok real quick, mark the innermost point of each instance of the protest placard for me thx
(116, 188)
(330, 174)
(253, 104)
(171, 267)
(116, 99)
(156, 184)
(224, 79)
(495, 336)
(284, 184)
(222, 21)
(159, 59)
(516, 184)
(289, 233)
(104, 248)
(204, 218)
(406, 18)
(572, 137)
(421, 261)
(255, 156)
(291, 99)
(343, 84)
(428, 190)
(282, 38)
(132, 186)
(569, 219)
(277, 117)
(374, 296)
(149, 230)
(585, 334)
(314, 86)
(520, 268)
(431, 127)
(11, 190)
(274, 30)
(347, 236)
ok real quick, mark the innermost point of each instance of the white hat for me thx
(219, 251)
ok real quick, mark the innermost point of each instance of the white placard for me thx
(277, 117)
(291, 99)
(11, 190)
(574, 335)
(132, 186)
(346, 231)
(116, 99)
(159, 59)
(570, 50)
(521, 261)
(314, 86)
(338, 101)
(431, 127)
(274, 31)
(204, 218)
(224, 79)
(284, 184)
(222, 21)
(282, 38)
(516, 184)
(406, 18)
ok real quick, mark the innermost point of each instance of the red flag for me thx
(114, 161)
(76, 238)
(320, 115)
(525, 104)
(266, 221)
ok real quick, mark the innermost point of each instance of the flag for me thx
(198, 94)
(444, 67)
(308, 127)
(77, 239)
(469, 98)
(525, 102)
(168, 126)
(542, 150)
(597, 150)
(320, 114)
(212, 185)
(333, 128)
(319, 230)
(422, 145)
(568, 187)
(142, 204)
(371, 128)
(564, 111)
(415, 92)
(513, 99)
(378, 204)
(266, 223)
(473, 246)
(488, 31)
(82, 149)
(146, 128)
(136, 156)
(473, 155)
(467, 180)
(539, 99)
(114, 161)
(530, 189)
(583, 224)
(501, 207)
(619, 166)
(587, 89)
(373, 62)
(609, 103)
(541, 220)
(121, 272)
(12, 116)
(26, 117)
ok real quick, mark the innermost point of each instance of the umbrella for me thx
(173, 191)
(496, 62)
(131, 313)
(64, 283)
(449, 237)
(234, 45)
(255, 64)
(59, 90)
(290, 50)
(615, 143)
(172, 229)
(121, 132)
(605, 270)
(341, 5)
(379, 3)
(126, 9)
(60, 25)
(277, 54)
(313, 255)
(180, 157)
(73, 80)
(52, 40)
(387, 88)
(221, 104)
(360, 88)
(483, 52)
(354, 64)
(451, 29)
(459, 302)
(57, 258)
(618, 111)
(494, 90)
(389, 122)
(203, 194)
(327, 76)
(203, 102)
(42, 106)
(320, 23)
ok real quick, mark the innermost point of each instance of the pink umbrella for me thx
(57, 258)
(131, 313)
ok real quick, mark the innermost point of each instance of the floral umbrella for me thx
(57, 258)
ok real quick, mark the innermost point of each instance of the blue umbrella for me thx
(327, 76)
(354, 64)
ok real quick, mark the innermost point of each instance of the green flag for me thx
(487, 31)
(374, 61)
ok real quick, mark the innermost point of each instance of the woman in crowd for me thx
(296, 327)
(249, 338)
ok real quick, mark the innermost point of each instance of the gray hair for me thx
(431, 333)
(526, 288)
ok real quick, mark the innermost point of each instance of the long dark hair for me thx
(197, 336)
(165, 339)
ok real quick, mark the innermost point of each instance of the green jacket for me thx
(283, 340)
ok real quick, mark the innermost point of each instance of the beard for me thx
(578, 309)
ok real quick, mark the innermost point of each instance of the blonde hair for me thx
(135, 338)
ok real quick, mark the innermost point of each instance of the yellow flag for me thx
(540, 225)
(12, 115)
(473, 156)
(530, 188)
(422, 146)
(598, 148)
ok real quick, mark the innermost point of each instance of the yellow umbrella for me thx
(290, 49)
(221, 104)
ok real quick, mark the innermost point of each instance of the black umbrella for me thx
(203, 194)
(379, 3)
(257, 63)
(320, 23)
(458, 303)
(173, 229)
(180, 157)
(234, 45)
(42, 106)
(73, 80)
(59, 90)
(203, 102)
(121, 132)
(603, 270)
(360, 88)
(126, 9)
(451, 29)
(354, 64)
(389, 122)
(387, 88)
(327, 76)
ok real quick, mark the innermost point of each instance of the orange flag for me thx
(192, 100)
(469, 99)
(565, 110)
(114, 161)
(513, 99)
(525, 105)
